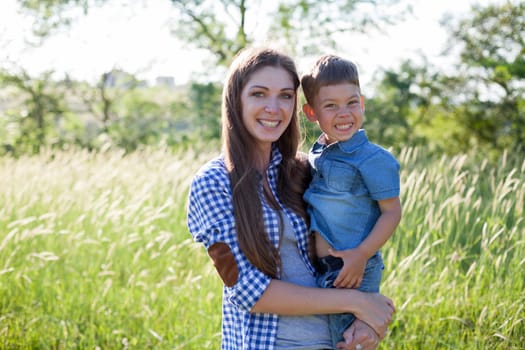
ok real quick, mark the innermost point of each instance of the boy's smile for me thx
(339, 110)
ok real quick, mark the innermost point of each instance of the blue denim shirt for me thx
(348, 179)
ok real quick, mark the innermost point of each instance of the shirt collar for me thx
(275, 160)
(347, 146)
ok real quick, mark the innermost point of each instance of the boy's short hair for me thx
(328, 70)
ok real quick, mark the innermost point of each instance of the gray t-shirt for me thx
(299, 332)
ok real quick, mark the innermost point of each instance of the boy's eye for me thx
(330, 106)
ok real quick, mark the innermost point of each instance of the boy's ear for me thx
(363, 103)
(309, 112)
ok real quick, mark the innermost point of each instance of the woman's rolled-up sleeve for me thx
(209, 209)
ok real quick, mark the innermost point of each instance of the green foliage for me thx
(51, 15)
(478, 104)
(307, 27)
(493, 72)
(224, 27)
(303, 27)
(94, 252)
(391, 115)
(216, 26)
(35, 123)
(205, 109)
(119, 112)
(140, 123)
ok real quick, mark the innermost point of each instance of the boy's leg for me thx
(373, 274)
(338, 324)
(327, 273)
(371, 280)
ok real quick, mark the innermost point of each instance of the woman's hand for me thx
(359, 336)
(376, 310)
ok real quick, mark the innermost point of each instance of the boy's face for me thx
(339, 110)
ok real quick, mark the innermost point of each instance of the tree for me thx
(43, 108)
(388, 119)
(101, 101)
(205, 102)
(223, 27)
(491, 88)
(51, 15)
(479, 104)
(302, 26)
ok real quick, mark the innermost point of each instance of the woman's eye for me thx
(287, 96)
(257, 94)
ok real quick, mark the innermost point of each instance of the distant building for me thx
(121, 79)
(165, 81)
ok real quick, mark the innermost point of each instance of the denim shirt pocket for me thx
(341, 177)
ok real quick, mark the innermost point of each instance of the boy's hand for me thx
(359, 333)
(354, 263)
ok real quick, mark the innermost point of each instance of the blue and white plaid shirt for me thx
(211, 220)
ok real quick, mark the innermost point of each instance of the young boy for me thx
(353, 199)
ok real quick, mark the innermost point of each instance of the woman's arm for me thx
(289, 299)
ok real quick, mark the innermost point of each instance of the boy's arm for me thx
(384, 227)
(355, 259)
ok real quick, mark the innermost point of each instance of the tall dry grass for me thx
(95, 254)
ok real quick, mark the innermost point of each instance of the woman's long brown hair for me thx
(240, 153)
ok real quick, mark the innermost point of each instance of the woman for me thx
(246, 207)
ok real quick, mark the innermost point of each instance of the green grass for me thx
(95, 254)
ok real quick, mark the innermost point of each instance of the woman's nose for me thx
(272, 107)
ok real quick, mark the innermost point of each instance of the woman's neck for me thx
(262, 159)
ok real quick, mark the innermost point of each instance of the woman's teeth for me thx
(269, 124)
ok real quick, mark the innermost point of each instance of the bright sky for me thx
(135, 36)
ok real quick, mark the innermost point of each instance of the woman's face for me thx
(268, 101)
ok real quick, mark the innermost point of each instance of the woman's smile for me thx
(269, 123)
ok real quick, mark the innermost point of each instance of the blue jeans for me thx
(328, 268)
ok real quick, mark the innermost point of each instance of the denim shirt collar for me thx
(354, 142)
(349, 145)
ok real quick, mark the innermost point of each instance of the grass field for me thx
(95, 254)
